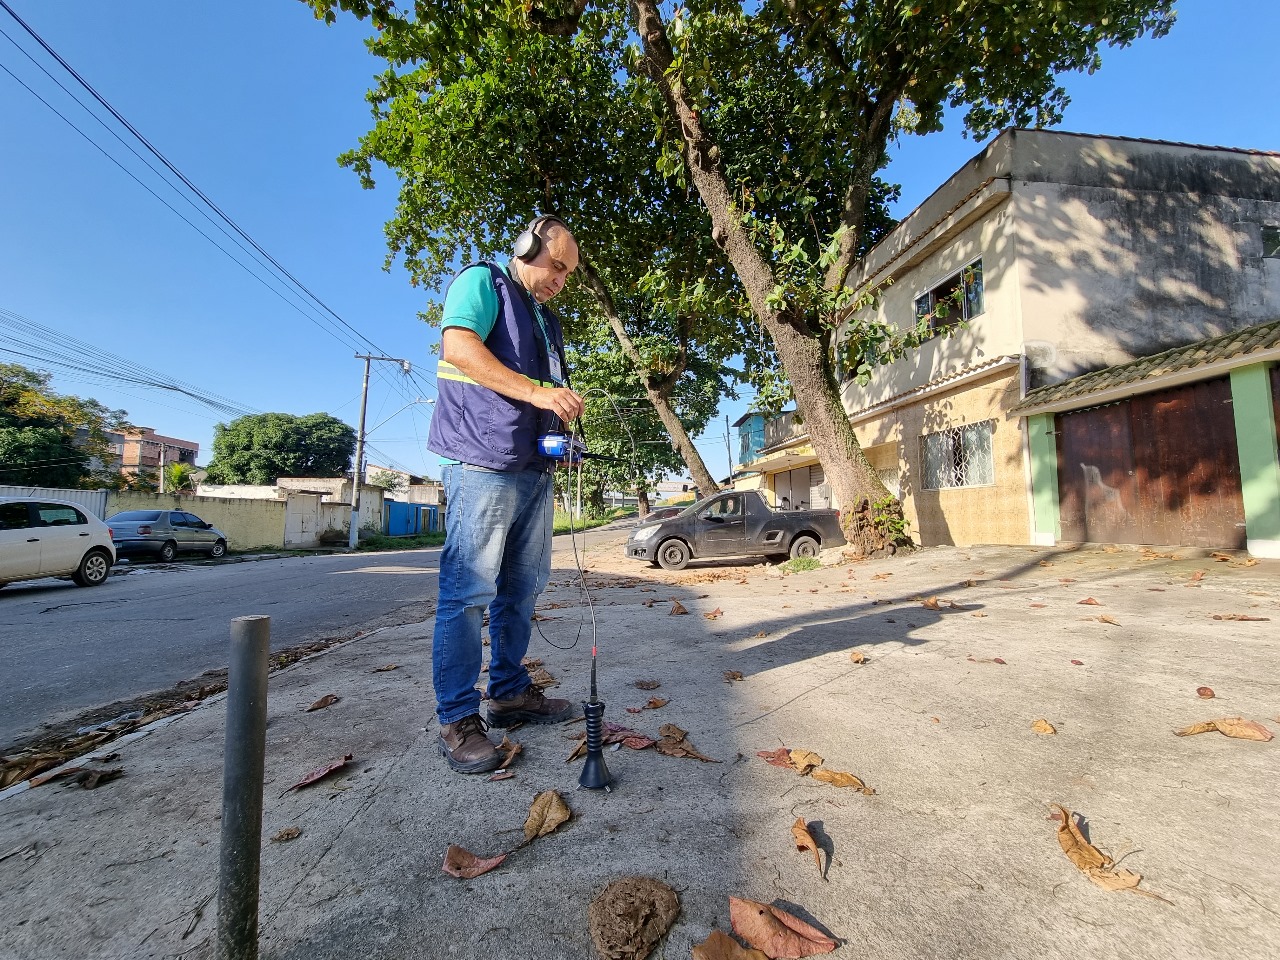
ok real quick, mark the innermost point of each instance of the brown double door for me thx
(1160, 468)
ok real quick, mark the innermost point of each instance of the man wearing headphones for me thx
(502, 384)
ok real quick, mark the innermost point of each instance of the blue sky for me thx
(254, 99)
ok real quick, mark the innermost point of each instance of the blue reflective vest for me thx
(473, 424)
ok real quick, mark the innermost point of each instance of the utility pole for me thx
(728, 446)
(357, 470)
(162, 466)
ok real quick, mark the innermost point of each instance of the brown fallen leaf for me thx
(1103, 618)
(648, 684)
(387, 668)
(677, 609)
(1078, 663)
(328, 700)
(761, 634)
(1091, 861)
(509, 749)
(1066, 580)
(1043, 726)
(462, 863)
(501, 775)
(1037, 606)
(1238, 616)
(92, 779)
(1045, 563)
(656, 703)
(778, 933)
(1197, 576)
(630, 916)
(732, 675)
(287, 834)
(1089, 601)
(931, 603)
(778, 758)
(1205, 693)
(715, 614)
(579, 751)
(1235, 727)
(548, 811)
(805, 760)
(1220, 557)
(321, 772)
(838, 778)
(675, 743)
(721, 946)
(857, 656)
(805, 841)
(978, 614)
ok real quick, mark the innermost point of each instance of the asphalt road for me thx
(66, 649)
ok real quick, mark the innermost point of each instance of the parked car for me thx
(53, 538)
(730, 524)
(165, 533)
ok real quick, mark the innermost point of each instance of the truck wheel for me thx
(672, 555)
(804, 547)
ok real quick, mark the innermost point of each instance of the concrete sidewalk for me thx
(955, 856)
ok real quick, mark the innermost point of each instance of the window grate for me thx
(958, 457)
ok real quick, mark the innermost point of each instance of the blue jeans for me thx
(497, 555)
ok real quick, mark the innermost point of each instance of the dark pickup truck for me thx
(736, 523)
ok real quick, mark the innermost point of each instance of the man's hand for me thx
(561, 401)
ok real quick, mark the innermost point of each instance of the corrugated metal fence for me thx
(93, 500)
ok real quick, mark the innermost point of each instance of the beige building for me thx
(142, 449)
(1051, 256)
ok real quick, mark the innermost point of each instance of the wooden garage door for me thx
(1161, 468)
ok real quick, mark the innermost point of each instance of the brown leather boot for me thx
(530, 706)
(467, 748)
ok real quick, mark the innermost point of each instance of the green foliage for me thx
(801, 564)
(388, 480)
(47, 439)
(888, 521)
(260, 448)
(179, 478)
(373, 541)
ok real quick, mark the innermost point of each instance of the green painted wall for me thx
(1044, 476)
(1256, 438)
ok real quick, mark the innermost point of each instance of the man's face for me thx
(544, 275)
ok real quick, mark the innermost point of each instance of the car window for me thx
(176, 519)
(192, 519)
(135, 516)
(58, 515)
(725, 508)
(13, 516)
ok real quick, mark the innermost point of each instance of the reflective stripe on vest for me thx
(447, 371)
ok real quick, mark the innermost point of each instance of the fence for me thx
(95, 501)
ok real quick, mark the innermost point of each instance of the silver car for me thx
(53, 538)
(164, 534)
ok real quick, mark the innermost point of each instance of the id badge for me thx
(557, 375)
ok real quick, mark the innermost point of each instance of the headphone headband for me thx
(529, 243)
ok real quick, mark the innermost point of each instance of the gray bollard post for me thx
(243, 765)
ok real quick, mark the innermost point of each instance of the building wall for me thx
(247, 523)
(961, 515)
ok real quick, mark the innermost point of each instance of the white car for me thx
(53, 538)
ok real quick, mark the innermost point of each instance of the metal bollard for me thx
(243, 766)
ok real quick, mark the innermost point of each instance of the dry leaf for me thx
(387, 668)
(930, 603)
(1043, 726)
(321, 772)
(1037, 606)
(548, 811)
(328, 700)
(677, 609)
(1103, 618)
(778, 933)
(715, 614)
(648, 684)
(1078, 663)
(288, 833)
(731, 675)
(761, 635)
(721, 946)
(1220, 557)
(1197, 576)
(838, 778)
(501, 775)
(778, 758)
(675, 743)
(978, 614)
(461, 862)
(630, 916)
(1089, 601)
(1237, 616)
(579, 751)
(857, 656)
(656, 703)
(92, 779)
(1066, 580)
(1236, 727)
(805, 760)
(805, 841)
(1045, 563)
(1091, 861)
(1205, 693)
(509, 749)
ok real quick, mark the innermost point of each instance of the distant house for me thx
(142, 449)
(1110, 374)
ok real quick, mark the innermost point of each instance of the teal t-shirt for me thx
(471, 302)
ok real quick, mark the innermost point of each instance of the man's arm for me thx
(466, 351)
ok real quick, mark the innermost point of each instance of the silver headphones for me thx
(529, 243)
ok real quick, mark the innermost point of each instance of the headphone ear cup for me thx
(527, 244)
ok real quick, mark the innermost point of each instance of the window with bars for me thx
(1271, 241)
(958, 457)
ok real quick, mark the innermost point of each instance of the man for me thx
(502, 385)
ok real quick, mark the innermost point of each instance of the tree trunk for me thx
(658, 397)
(852, 478)
(642, 501)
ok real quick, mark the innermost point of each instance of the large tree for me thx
(49, 439)
(261, 448)
(774, 116)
